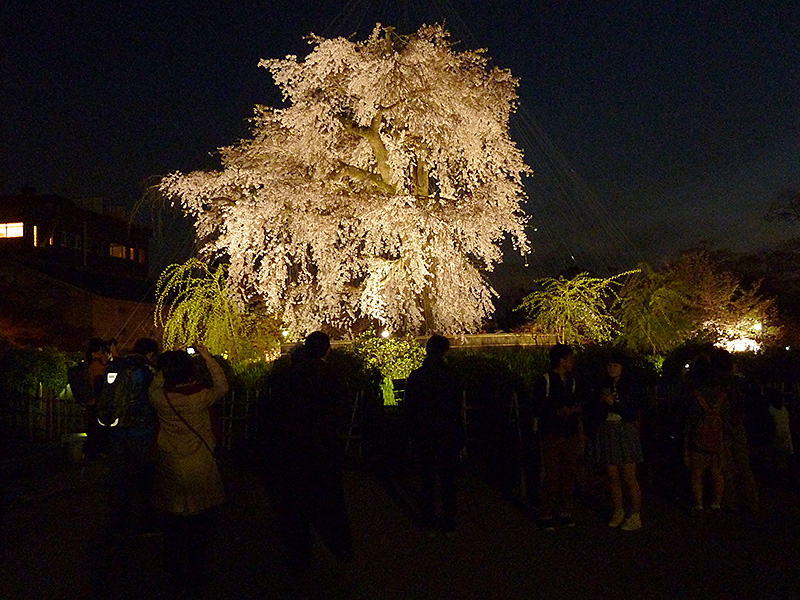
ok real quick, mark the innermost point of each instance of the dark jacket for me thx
(628, 402)
(140, 414)
(548, 402)
(433, 406)
(314, 412)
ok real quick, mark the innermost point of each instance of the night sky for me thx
(651, 126)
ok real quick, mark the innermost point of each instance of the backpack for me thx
(124, 398)
(707, 434)
(78, 379)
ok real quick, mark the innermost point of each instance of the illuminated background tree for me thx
(382, 191)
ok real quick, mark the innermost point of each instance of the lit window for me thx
(11, 230)
(142, 256)
(118, 250)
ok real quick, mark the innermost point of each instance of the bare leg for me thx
(632, 484)
(697, 475)
(615, 487)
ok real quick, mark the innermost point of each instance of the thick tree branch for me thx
(362, 175)
(373, 136)
(421, 181)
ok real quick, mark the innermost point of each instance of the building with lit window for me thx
(69, 269)
(75, 241)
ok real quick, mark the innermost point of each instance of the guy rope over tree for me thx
(382, 192)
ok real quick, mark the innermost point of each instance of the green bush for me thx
(525, 363)
(249, 374)
(483, 374)
(356, 372)
(25, 369)
(393, 358)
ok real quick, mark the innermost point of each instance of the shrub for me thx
(249, 374)
(25, 369)
(393, 358)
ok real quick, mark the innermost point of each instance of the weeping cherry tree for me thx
(381, 192)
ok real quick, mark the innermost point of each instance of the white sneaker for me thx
(617, 519)
(632, 523)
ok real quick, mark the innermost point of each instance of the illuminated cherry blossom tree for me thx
(381, 192)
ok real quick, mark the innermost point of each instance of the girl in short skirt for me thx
(617, 443)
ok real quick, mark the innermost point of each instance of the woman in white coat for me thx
(187, 482)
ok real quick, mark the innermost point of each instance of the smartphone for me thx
(191, 350)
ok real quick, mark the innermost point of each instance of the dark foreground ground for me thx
(52, 546)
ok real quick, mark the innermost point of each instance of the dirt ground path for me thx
(53, 547)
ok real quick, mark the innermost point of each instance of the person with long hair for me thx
(187, 483)
(617, 442)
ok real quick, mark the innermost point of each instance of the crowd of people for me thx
(153, 415)
(606, 424)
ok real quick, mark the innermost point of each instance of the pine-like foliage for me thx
(382, 191)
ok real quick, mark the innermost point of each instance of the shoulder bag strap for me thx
(189, 427)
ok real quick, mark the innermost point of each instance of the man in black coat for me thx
(310, 471)
(434, 411)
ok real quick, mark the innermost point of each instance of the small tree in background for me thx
(653, 312)
(194, 305)
(394, 357)
(725, 311)
(692, 298)
(574, 309)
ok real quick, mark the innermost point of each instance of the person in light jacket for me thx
(187, 482)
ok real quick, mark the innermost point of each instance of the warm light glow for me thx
(757, 327)
(742, 345)
(11, 230)
(385, 333)
(35, 236)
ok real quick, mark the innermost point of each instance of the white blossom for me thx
(383, 191)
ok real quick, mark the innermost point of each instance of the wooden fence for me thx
(45, 416)
(50, 418)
